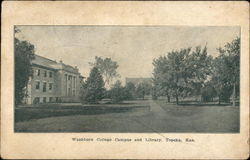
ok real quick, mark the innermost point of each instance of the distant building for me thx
(136, 81)
(53, 82)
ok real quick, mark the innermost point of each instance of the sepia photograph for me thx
(126, 79)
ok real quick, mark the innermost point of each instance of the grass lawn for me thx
(212, 118)
(39, 111)
(134, 116)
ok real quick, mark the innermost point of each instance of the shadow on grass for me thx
(198, 104)
(202, 104)
(45, 111)
(189, 108)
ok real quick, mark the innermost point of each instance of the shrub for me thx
(130, 91)
(117, 93)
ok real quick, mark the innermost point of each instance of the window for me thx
(44, 99)
(38, 85)
(50, 99)
(50, 74)
(44, 86)
(36, 100)
(69, 92)
(74, 82)
(38, 72)
(73, 92)
(50, 86)
(45, 73)
(68, 77)
(58, 99)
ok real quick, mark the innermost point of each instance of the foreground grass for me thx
(56, 110)
(211, 117)
(140, 117)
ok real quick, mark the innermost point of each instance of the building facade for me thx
(53, 82)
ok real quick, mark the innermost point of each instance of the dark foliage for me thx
(184, 73)
(208, 93)
(130, 91)
(143, 89)
(93, 90)
(117, 92)
(108, 69)
(24, 53)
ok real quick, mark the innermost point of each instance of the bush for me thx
(130, 91)
(117, 93)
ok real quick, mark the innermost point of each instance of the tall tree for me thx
(161, 78)
(93, 90)
(226, 72)
(24, 53)
(199, 66)
(143, 89)
(219, 79)
(171, 72)
(179, 73)
(108, 69)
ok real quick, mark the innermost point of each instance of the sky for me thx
(132, 47)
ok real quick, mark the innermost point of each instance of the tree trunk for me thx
(177, 99)
(234, 96)
(219, 99)
(168, 99)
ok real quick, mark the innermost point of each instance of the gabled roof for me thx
(53, 65)
(45, 62)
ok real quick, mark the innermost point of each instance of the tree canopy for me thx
(200, 69)
(93, 90)
(143, 89)
(108, 69)
(226, 71)
(171, 73)
(181, 73)
(184, 72)
(117, 92)
(130, 91)
(24, 53)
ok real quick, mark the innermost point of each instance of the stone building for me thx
(53, 82)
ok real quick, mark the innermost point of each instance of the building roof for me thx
(53, 65)
(45, 62)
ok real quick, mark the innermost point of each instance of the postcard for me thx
(125, 80)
